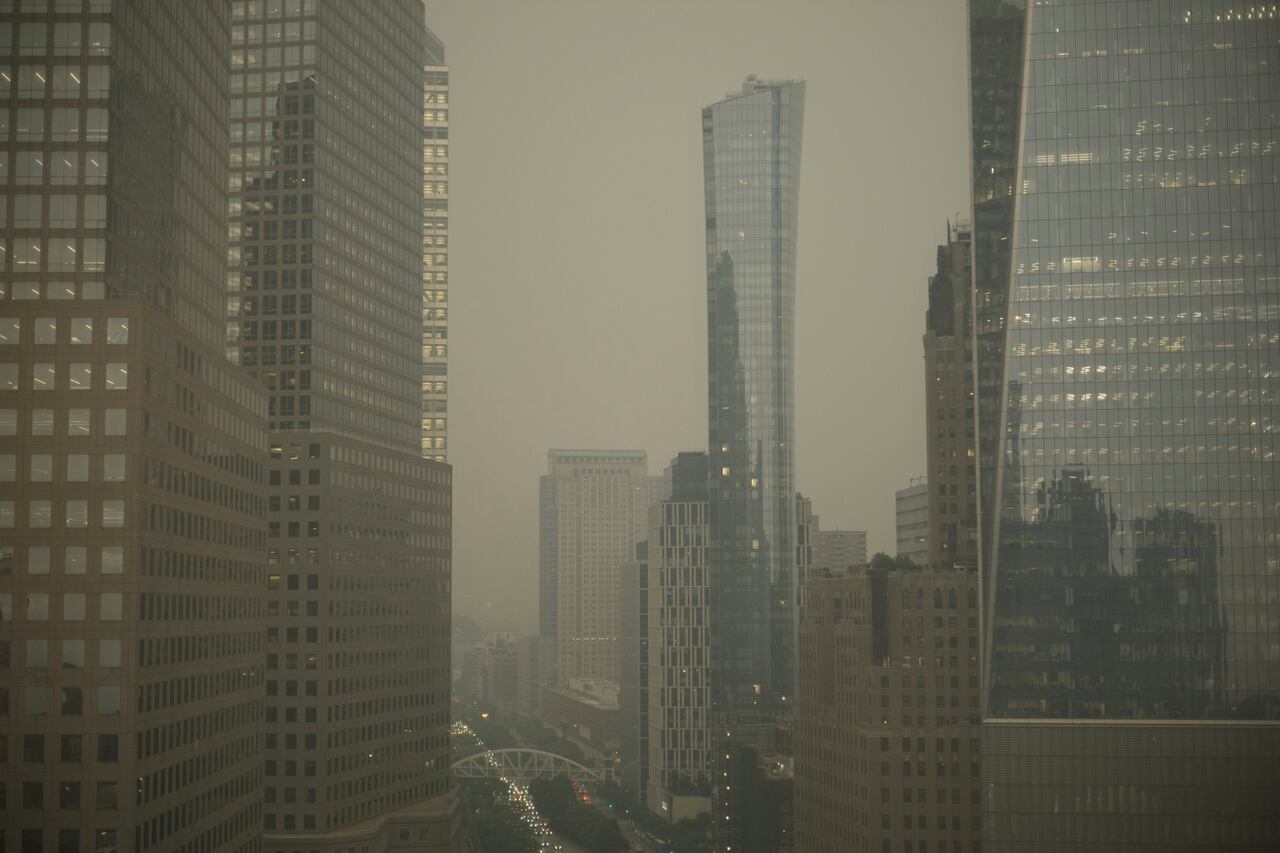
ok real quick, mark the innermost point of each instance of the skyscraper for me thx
(593, 509)
(949, 425)
(751, 174)
(1127, 291)
(435, 252)
(326, 288)
(132, 460)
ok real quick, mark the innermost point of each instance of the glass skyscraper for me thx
(751, 171)
(1127, 293)
(325, 282)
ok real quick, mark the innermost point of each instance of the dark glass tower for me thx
(751, 161)
(1127, 290)
(326, 278)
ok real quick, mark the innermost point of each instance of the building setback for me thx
(326, 291)
(886, 734)
(1127, 283)
(132, 459)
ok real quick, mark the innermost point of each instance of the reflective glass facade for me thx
(751, 162)
(1127, 293)
(1134, 572)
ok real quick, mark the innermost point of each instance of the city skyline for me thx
(632, 127)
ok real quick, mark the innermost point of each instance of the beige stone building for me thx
(594, 510)
(886, 728)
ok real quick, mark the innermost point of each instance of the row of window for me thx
(36, 654)
(79, 422)
(78, 376)
(75, 514)
(75, 468)
(73, 559)
(74, 604)
(79, 330)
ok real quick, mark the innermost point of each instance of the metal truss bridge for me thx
(525, 765)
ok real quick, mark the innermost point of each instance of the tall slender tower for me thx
(132, 456)
(1127, 289)
(326, 278)
(751, 163)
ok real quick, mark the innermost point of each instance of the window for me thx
(113, 467)
(80, 376)
(113, 560)
(77, 514)
(113, 513)
(42, 376)
(73, 606)
(73, 654)
(109, 653)
(110, 607)
(108, 700)
(73, 562)
(117, 327)
(77, 467)
(117, 376)
(41, 468)
(115, 422)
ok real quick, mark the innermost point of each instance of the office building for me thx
(326, 279)
(679, 759)
(592, 510)
(911, 512)
(1126, 290)
(836, 550)
(435, 251)
(132, 456)
(886, 734)
(751, 175)
(949, 416)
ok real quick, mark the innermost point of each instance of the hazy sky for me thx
(577, 284)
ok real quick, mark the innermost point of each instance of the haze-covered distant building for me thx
(1127, 290)
(911, 513)
(837, 550)
(132, 455)
(325, 276)
(593, 505)
(751, 174)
